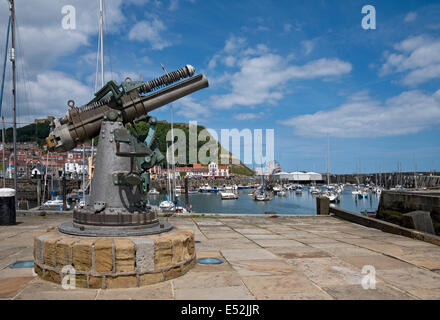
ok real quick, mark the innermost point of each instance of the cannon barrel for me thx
(81, 124)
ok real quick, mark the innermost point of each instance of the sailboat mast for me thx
(173, 165)
(4, 146)
(4, 65)
(83, 173)
(101, 49)
(328, 160)
(14, 100)
(101, 33)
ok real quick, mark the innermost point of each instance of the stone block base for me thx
(111, 262)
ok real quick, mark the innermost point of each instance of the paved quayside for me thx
(289, 257)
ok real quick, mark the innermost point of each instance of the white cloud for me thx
(410, 17)
(416, 57)
(361, 116)
(307, 46)
(287, 27)
(41, 36)
(41, 42)
(150, 31)
(190, 109)
(248, 116)
(261, 79)
(137, 2)
(174, 5)
(261, 76)
(46, 95)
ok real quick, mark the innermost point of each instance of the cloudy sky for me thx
(304, 68)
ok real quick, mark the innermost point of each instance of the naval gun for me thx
(117, 204)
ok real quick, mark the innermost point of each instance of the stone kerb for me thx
(114, 262)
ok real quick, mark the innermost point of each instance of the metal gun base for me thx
(77, 229)
(117, 218)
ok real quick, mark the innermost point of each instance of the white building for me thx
(75, 167)
(215, 170)
(299, 177)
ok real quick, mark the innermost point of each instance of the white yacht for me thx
(228, 195)
(282, 193)
(332, 196)
(166, 205)
(314, 190)
(153, 192)
(56, 204)
(205, 188)
(179, 210)
(262, 196)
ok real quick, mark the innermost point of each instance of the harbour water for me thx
(301, 204)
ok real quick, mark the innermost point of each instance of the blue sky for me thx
(303, 68)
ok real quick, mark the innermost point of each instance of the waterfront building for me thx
(299, 177)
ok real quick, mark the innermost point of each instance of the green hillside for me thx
(30, 133)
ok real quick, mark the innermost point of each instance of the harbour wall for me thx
(30, 191)
(393, 204)
(384, 226)
(389, 179)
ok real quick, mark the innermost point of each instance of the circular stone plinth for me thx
(77, 229)
(112, 262)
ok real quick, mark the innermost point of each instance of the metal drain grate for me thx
(209, 261)
(22, 264)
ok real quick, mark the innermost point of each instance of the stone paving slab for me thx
(380, 262)
(278, 243)
(356, 292)
(298, 252)
(291, 258)
(43, 290)
(426, 294)
(222, 293)
(262, 267)
(411, 278)
(327, 272)
(253, 231)
(247, 254)
(207, 280)
(274, 287)
(9, 287)
(159, 291)
(265, 237)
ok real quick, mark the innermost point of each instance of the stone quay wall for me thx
(107, 263)
(393, 204)
(32, 189)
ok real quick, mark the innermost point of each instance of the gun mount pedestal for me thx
(116, 206)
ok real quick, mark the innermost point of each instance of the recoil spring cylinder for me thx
(94, 105)
(167, 79)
